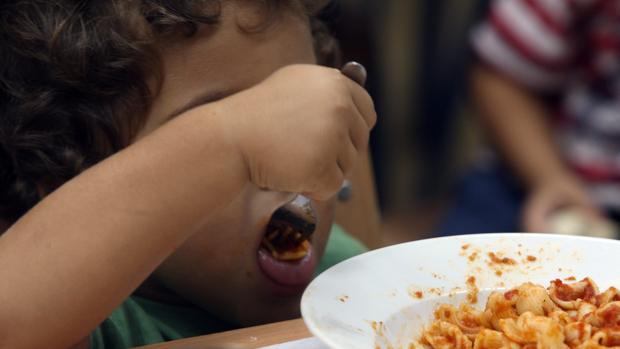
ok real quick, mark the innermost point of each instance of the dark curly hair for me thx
(73, 77)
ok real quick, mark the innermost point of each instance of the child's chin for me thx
(287, 278)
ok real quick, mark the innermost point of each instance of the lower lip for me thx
(287, 278)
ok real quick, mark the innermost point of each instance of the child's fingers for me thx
(538, 210)
(328, 184)
(347, 158)
(359, 132)
(363, 102)
(535, 218)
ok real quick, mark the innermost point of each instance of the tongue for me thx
(297, 273)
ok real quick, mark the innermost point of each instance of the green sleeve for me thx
(340, 246)
(139, 321)
(128, 326)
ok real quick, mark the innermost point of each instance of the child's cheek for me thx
(325, 213)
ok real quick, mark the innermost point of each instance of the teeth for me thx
(265, 243)
(273, 235)
(297, 253)
(285, 244)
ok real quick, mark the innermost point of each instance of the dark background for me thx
(417, 56)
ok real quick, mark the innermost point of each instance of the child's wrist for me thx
(551, 176)
(222, 128)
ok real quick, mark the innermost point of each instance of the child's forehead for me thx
(223, 59)
(228, 45)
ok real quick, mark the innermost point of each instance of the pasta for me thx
(563, 316)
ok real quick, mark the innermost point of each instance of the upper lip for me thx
(298, 223)
(302, 207)
(300, 214)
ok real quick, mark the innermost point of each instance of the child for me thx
(155, 140)
(547, 89)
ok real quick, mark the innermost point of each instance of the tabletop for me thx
(251, 337)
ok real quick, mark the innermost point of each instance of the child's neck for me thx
(156, 291)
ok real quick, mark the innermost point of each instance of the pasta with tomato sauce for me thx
(563, 316)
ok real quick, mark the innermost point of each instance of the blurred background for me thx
(417, 55)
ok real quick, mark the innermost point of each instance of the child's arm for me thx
(78, 254)
(518, 123)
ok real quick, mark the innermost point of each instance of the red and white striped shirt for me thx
(568, 48)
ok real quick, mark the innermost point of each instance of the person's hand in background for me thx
(555, 195)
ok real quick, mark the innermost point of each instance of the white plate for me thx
(372, 301)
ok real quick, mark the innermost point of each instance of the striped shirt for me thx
(569, 49)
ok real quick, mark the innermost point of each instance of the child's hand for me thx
(301, 130)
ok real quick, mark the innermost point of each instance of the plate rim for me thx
(329, 341)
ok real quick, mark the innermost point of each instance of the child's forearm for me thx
(519, 125)
(77, 255)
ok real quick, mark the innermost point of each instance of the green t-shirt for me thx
(139, 321)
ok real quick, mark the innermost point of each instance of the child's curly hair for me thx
(73, 82)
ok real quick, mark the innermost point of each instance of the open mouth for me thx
(285, 255)
(288, 235)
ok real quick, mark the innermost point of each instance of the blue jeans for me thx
(487, 200)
